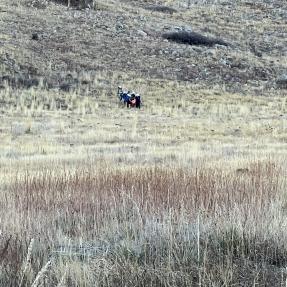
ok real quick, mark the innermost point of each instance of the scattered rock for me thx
(197, 49)
(141, 33)
(225, 62)
(192, 38)
(210, 52)
(119, 26)
(178, 28)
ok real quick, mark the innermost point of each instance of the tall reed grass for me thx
(145, 227)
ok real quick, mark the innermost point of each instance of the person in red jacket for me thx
(132, 100)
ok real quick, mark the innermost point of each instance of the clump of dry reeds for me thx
(149, 226)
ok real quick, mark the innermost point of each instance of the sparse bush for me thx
(192, 38)
(161, 8)
(281, 82)
(81, 4)
(19, 81)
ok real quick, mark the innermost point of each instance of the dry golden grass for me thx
(178, 123)
(188, 191)
(183, 192)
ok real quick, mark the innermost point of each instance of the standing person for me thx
(120, 92)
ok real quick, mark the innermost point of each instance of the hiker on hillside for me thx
(132, 100)
(129, 98)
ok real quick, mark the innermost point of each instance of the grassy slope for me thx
(99, 55)
(208, 147)
(109, 39)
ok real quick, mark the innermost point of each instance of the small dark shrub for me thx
(281, 82)
(192, 38)
(161, 8)
(81, 4)
(21, 81)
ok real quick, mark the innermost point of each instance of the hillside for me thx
(124, 37)
(189, 190)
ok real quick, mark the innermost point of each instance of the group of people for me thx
(131, 99)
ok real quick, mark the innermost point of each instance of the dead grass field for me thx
(190, 190)
(187, 192)
(145, 226)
